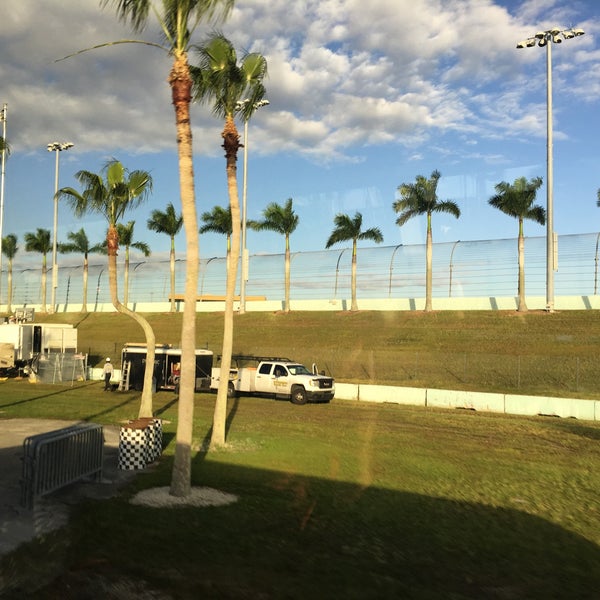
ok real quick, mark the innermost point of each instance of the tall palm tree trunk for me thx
(126, 279)
(428, 266)
(181, 85)
(231, 145)
(354, 303)
(521, 245)
(112, 239)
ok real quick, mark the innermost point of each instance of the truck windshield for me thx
(298, 370)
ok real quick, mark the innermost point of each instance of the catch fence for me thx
(486, 268)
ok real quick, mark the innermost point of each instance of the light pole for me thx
(3, 113)
(547, 38)
(56, 147)
(240, 105)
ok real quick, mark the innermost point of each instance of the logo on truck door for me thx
(280, 374)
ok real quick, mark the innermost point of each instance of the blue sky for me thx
(360, 102)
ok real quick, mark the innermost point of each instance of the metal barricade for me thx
(58, 458)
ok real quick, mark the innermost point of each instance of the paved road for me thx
(18, 524)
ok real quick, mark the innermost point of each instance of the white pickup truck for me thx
(278, 377)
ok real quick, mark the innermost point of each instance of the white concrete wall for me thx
(343, 304)
(472, 400)
(513, 404)
(347, 391)
(510, 404)
(556, 407)
(398, 395)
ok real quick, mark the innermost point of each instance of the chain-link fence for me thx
(60, 367)
(518, 374)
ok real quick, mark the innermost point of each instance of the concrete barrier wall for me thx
(556, 407)
(512, 404)
(588, 410)
(472, 400)
(343, 304)
(347, 391)
(398, 395)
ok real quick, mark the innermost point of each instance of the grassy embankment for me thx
(533, 353)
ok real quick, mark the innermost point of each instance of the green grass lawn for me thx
(341, 500)
(536, 353)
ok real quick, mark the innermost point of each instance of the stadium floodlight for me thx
(547, 38)
(56, 147)
(240, 104)
(3, 115)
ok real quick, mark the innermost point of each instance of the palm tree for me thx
(126, 240)
(283, 220)
(9, 249)
(517, 200)
(218, 220)
(40, 242)
(170, 223)
(420, 198)
(178, 19)
(347, 229)
(79, 243)
(112, 196)
(232, 88)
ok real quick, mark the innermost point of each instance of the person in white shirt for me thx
(107, 371)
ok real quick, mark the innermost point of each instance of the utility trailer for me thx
(167, 366)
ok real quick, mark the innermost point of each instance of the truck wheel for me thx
(230, 391)
(298, 395)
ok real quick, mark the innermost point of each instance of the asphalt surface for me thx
(19, 524)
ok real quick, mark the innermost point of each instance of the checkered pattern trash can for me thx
(134, 446)
(154, 437)
(158, 438)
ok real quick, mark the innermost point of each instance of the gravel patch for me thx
(200, 496)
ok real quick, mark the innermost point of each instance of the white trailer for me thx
(29, 341)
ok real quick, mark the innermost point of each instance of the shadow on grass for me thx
(295, 536)
(165, 407)
(292, 536)
(60, 392)
(232, 408)
(578, 428)
(113, 407)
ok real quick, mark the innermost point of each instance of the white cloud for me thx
(339, 76)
